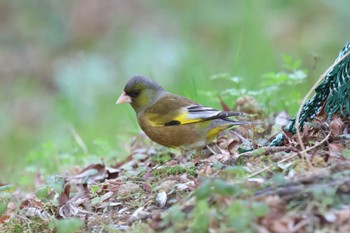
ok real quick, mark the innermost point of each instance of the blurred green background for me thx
(64, 64)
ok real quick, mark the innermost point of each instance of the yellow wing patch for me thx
(180, 116)
(183, 118)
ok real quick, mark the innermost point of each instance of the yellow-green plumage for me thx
(172, 120)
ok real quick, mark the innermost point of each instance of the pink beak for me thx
(123, 98)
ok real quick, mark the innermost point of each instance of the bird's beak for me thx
(123, 98)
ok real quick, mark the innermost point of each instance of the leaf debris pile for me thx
(269, 189)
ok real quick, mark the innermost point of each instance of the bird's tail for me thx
(235, 122)
(226, 114)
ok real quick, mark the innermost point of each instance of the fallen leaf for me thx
(336, 126)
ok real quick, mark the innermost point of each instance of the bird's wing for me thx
(177, 110)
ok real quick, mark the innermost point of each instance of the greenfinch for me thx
(171, 120)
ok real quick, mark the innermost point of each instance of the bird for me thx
(174, 121)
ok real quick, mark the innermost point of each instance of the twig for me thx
(267, 150)
(78, 139)
(293, 189)
(300, 225)
(286, 159)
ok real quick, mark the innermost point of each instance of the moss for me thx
(12, 227)
(33, 225)
(192, 171)
(161, 157)
(175, 170)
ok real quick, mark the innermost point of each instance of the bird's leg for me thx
(211, 150)
(204, 152)
(183, 152)
(184, 155)
(196, 154)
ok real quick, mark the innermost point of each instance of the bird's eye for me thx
(135, 93)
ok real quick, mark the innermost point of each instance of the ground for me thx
(240, 185)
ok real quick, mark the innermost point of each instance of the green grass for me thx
(66, 65)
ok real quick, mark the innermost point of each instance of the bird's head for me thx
(141, 92)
